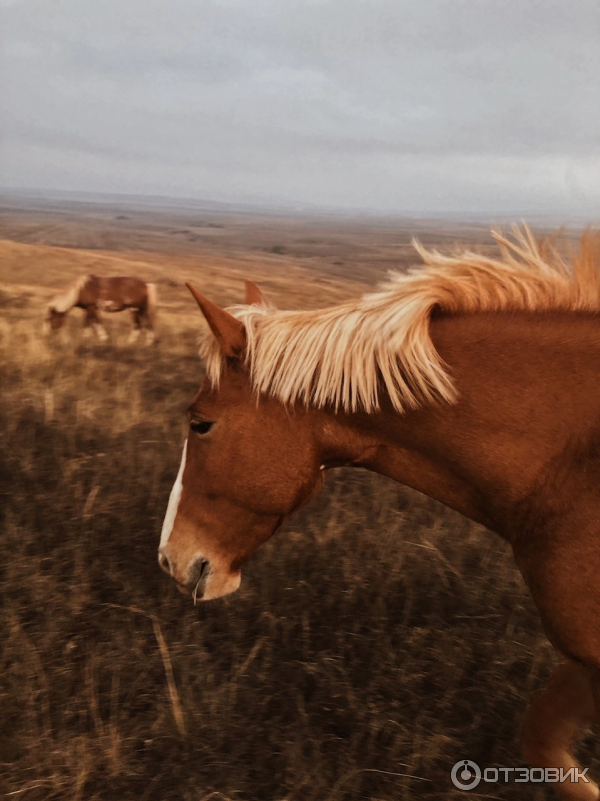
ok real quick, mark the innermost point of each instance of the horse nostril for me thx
(199, 573)
(163, 561)
(199, 570)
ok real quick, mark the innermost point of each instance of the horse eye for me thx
(201, 426)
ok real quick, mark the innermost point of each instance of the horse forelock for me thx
(345, 355)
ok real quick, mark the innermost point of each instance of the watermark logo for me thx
(466, 775)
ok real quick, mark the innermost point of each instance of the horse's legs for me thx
(555, 720)
(136, 321)
(88, 321)
(561, 568)
(146, 321)
(92, 318)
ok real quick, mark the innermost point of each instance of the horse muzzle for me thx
(203, 580)
(195, 577)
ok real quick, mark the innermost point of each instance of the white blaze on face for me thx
(173, 502)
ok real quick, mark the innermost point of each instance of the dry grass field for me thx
(375, 641)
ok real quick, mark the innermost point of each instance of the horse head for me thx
(248, 462)
(54, 320)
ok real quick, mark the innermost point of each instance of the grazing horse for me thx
(94, 294)
(474, 380)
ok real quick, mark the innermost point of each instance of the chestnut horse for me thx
(94, 294)
(474, 380)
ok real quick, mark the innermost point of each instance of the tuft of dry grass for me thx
(374, 642)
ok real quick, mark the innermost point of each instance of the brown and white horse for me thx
(474, 380)
(94, 294)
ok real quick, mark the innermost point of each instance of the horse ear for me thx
(253, 295)
(228, 330)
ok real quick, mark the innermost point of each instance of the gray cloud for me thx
(437, 105)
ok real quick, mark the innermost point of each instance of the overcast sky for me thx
(398, 105)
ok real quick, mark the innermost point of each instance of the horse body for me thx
(512, 442)
(94, 294)
(529, 406)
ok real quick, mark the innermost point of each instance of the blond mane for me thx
(67, 299)
(346, 355)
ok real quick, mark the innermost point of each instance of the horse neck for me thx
(516, 416)
(408, 450)
(70, 298)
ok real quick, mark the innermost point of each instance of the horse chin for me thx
(216, 585)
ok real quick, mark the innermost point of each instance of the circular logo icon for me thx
(465, 774)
